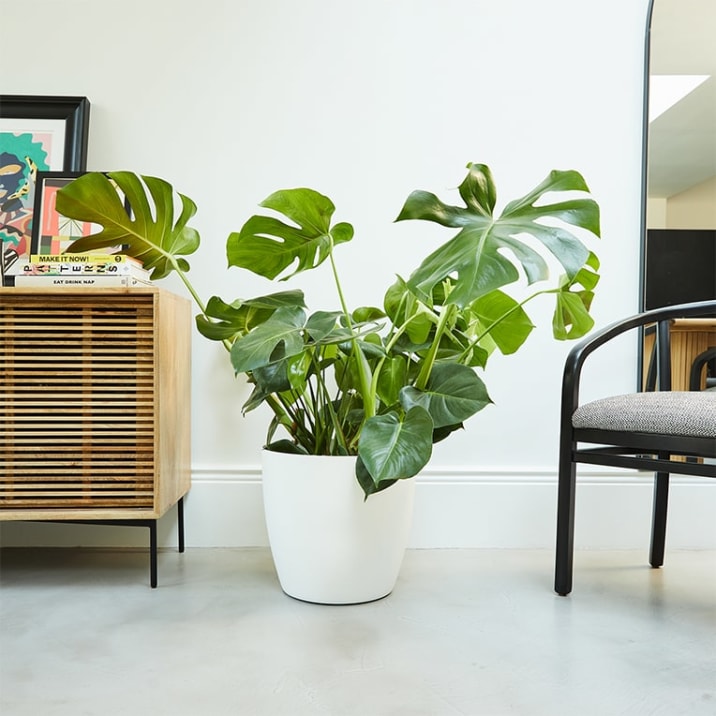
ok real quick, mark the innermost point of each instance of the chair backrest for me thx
(661, 318)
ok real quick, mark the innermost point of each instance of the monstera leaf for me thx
(393, 447)
(283, 330)
(118, 202)
(268, 246)
(476, 256)
(286, 333)
(453, 394)
(504, 321)
(240, 316)
(571, 316)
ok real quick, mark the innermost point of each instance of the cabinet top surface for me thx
(694, 324)
(81, 290)
(87, 291)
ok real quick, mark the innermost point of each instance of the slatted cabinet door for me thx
(94, 403)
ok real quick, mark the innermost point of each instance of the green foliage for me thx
(268, 246)
(382, 384)
(151, 236)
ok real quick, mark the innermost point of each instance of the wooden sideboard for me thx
(689, 338)
(94, 405)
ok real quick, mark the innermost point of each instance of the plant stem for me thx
(189, 287)
(390, 342)
(336, 435)
(364, 374)
(425, 370)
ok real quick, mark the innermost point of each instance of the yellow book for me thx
(89, 257)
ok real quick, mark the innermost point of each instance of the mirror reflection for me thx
(680, 255)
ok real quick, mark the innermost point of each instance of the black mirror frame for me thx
(644, 187)
(645, 154)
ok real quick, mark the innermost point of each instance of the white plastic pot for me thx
(329, 544)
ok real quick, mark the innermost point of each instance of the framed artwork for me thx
(37, 134)
(52, 233)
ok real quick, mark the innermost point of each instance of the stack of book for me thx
(89, 269)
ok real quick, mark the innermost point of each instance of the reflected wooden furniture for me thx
(94, 406)
(690, 337)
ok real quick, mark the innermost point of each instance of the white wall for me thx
(656, 213)
(230, 100)
(694, 208)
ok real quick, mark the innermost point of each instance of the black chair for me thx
(663, 431)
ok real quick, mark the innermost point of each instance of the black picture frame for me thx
(74, 111)
(23, 120)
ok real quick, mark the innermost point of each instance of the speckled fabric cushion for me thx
(667, 413)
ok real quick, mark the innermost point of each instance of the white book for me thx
(78, 270)
(23, 281)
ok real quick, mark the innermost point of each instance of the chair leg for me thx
(565, 526)
(180, 524)
(152, 553)
(658, 520)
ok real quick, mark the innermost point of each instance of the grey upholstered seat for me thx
(664, 413)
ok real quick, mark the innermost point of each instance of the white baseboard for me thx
(454, 508)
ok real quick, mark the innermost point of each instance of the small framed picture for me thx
(52, 232)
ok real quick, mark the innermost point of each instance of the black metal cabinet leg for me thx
(565, 527)
(153, 553)
(658, 520)
(180, 521)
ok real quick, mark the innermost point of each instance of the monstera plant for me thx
(382, 382)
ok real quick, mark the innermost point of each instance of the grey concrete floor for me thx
(468, 632)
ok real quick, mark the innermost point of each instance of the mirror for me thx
(679, 225)
(679, 256)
